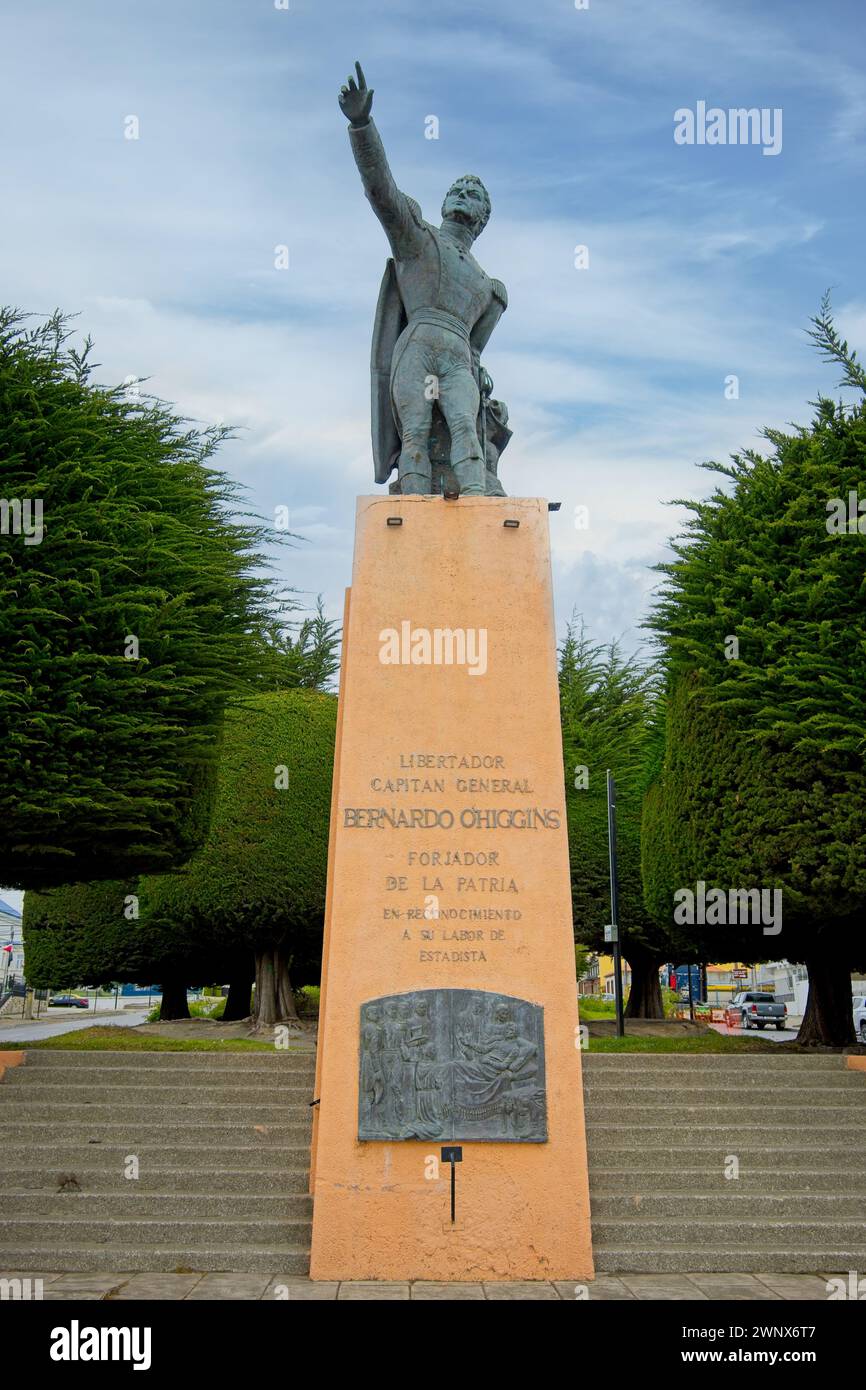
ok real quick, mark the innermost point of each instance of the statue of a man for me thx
(437, 309)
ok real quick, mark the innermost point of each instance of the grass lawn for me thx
(130, 1040)
(701, 1042)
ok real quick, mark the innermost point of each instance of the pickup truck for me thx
(753, 1009)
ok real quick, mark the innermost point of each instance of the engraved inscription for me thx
(452, 1064)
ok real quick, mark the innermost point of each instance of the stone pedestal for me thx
(449, 1000)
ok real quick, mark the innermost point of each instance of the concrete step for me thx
(185, 1063)
(191, 1109)
(766, 1153)
(48, 1089)
(769, 1178)
(271, 1257)
(727, 1117)
(728, 1208)
(659, 1077)
(604, 1138)
(714, 1063)
(747, 1233)
(132, 1234)
(217, 1182)
(728, 1257)
(133, 1205)
(202, 1155)
(729, 1090)
(228, 1132)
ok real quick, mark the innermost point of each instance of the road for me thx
(69, 1022)
(773, 1034)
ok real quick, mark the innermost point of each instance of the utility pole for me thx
(613, 929)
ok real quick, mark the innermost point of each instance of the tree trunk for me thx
(645, 996)
(174, 1003)
(240, 992)
(828, 1020)
(275, 1000)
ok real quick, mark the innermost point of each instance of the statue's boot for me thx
(415, 485)
(415, 473)
(471, 476)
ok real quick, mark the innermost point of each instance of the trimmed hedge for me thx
(258, 880)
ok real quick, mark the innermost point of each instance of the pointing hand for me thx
(355, 100)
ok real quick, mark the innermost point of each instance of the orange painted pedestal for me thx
(462, 761)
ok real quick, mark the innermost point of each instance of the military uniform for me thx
(448, 309)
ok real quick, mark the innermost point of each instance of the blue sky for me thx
(704, 261)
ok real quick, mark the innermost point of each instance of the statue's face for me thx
(466, 202)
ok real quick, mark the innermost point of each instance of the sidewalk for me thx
(624, 1287)
(50, 1024)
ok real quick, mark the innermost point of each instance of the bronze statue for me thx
(431, 410)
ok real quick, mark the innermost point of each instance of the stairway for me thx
(660, 1129)
(222, 1142)
(223, 1148)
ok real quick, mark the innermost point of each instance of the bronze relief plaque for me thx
(452, 1064)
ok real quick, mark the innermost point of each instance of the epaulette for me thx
(500, 293)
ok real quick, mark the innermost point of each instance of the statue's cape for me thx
(388, 325)
(498, 432)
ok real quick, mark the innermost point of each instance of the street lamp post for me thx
(614, 904)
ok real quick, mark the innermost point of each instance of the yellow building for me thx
(599, 976)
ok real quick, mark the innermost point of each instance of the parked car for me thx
(860, 1016)
(753, 1009)
(67, 1001)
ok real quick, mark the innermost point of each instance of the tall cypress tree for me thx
(608, 705)
(127, 619)
(763, 627)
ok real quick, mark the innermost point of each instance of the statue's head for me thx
(468, 202)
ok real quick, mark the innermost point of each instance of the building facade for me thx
(11, 935)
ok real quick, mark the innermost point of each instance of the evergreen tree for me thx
(607, 704)
(249, 902)
(125, 625)
(307, 660)
(256, 889)
(763, 627)
(93, 933)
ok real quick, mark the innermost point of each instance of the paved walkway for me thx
(20, 1030)
(667, 1287)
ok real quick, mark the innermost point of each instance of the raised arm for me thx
(390, 205)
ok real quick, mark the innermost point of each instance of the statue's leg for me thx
(459, 400)
(492, 485)
(413, 403)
